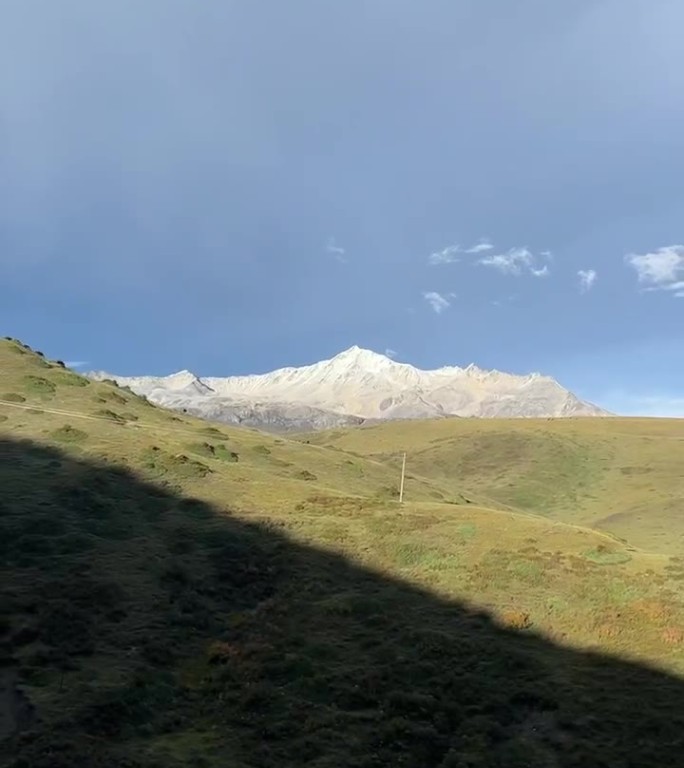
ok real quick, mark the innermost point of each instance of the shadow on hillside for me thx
(140, 628)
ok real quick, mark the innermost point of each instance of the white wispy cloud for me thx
(438, 302)
(482, 247)
(446, 256)
(390, 352)
(516, 261)
(587, 278)
(512, 262)
(540, 271)
(660, 270)
(336, 250)
(76, 363)
(453, 253)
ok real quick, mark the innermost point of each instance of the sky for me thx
(234, 186)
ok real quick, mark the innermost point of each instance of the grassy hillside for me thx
(42, 400)
(175, 593)
(623, 476)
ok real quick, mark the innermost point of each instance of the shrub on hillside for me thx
(13, 397)
(40, 362)
(211, 451)
(69, 434)
(184, 466)
(38, 385)
(115, 397)
(227, 455)
(213, 432)
(70, 379)
(17, 348)
(161, 463)
(203, 449)
(602, 554)
(109, 415)
(387, 492)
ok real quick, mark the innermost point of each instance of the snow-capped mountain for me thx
(357, 386)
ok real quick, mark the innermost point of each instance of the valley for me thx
(622, 476)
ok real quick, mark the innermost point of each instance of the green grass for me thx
(603, 556)
(69, 379)
(178, 466)
(178, 636)
(37, 385)
(467, 531)
(69, 434)
(622, 476)
(216, 451)
(166, 605)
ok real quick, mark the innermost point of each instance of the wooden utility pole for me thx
(403, 473)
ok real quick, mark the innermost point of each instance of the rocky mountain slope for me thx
(354, 387)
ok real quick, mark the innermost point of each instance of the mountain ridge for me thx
(357, 386)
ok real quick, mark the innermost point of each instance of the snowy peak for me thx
(361, 384)
(356, 361)
(357, 356)
(181, 380)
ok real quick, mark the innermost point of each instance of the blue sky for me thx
(232, 186)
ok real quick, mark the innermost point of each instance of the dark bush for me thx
(13, 397)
